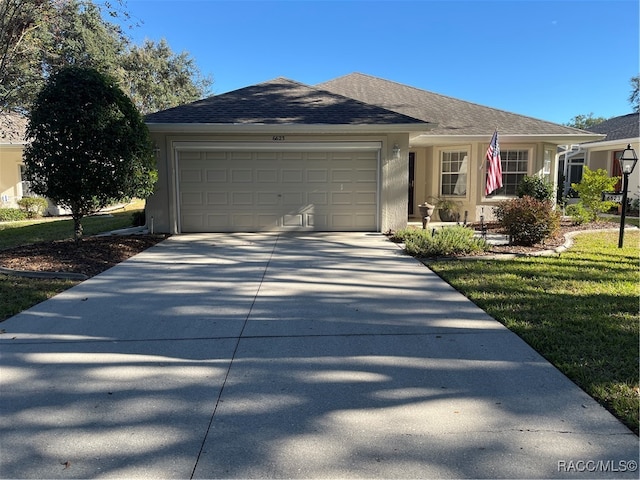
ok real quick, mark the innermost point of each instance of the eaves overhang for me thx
(610, 144)
(426, 140)
(279, 128)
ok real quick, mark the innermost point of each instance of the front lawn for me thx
(13, 234)
(578, 309)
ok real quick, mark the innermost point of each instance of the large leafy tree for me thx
(585, 122)
(157, 78)
(90, 145)
(38, 37)
(21, 44)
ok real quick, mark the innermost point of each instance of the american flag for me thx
(494, 166)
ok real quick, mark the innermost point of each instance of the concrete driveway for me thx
(287, 356)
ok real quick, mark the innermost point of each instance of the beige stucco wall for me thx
(603, 157)
(428, 175)
(161, 208)
(10, 185)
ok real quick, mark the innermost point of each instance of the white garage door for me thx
(233, 191)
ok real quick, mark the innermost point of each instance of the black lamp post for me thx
(628, 161)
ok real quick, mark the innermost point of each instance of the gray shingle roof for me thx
(12, 128)
(278, 102)
(618, 128)
(453, 116)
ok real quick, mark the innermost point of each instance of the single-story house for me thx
(605, 153)
(12, 185)
(357, 153)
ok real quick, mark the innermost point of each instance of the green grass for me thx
(579, 310)
(18, 294)
(13, 234)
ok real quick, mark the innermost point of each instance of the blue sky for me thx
(548, 59)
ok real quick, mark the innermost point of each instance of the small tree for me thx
(590, 190)
(89, 145)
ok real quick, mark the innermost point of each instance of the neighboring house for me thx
(12, 184)
(605, 153)
(357, 153)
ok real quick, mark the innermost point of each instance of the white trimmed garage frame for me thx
(180, 147)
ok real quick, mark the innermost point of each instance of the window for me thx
(453, 168)
(515, 164)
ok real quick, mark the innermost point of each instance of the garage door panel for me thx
(341, 198)
(250, 191)
(319, 222)
(218, 199)
(292, 199)
(293, 220)
(268, 199)
(267, 176)
(241, 175)
(292, 175)
(318, 198)
(317, 176)
(365, 198)
(217, 176)
(191, 176)
(192, 199)
(368, 175)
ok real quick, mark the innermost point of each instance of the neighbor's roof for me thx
(12, 128)
(280, 102)
(618, 128)
(453, 116)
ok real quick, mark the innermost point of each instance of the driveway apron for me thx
(287, 356)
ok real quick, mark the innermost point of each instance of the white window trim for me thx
(451, 149)
(531, 152)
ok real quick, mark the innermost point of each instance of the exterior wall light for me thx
(396, 151)
(628, 161)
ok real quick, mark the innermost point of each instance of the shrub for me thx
(535, 187)
(449, 241)
(590, 190)
(528, 221)
(578, 213)
(12, 215)
(33, 206)
(138, 219)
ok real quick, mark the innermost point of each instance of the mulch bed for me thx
(566, 226)
(90, 256)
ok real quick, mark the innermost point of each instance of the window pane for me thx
(514, 168)
(453, 173)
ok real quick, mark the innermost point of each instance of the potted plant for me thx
(448, 210)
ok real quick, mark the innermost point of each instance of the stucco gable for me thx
(280, 102)
(452, 116)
